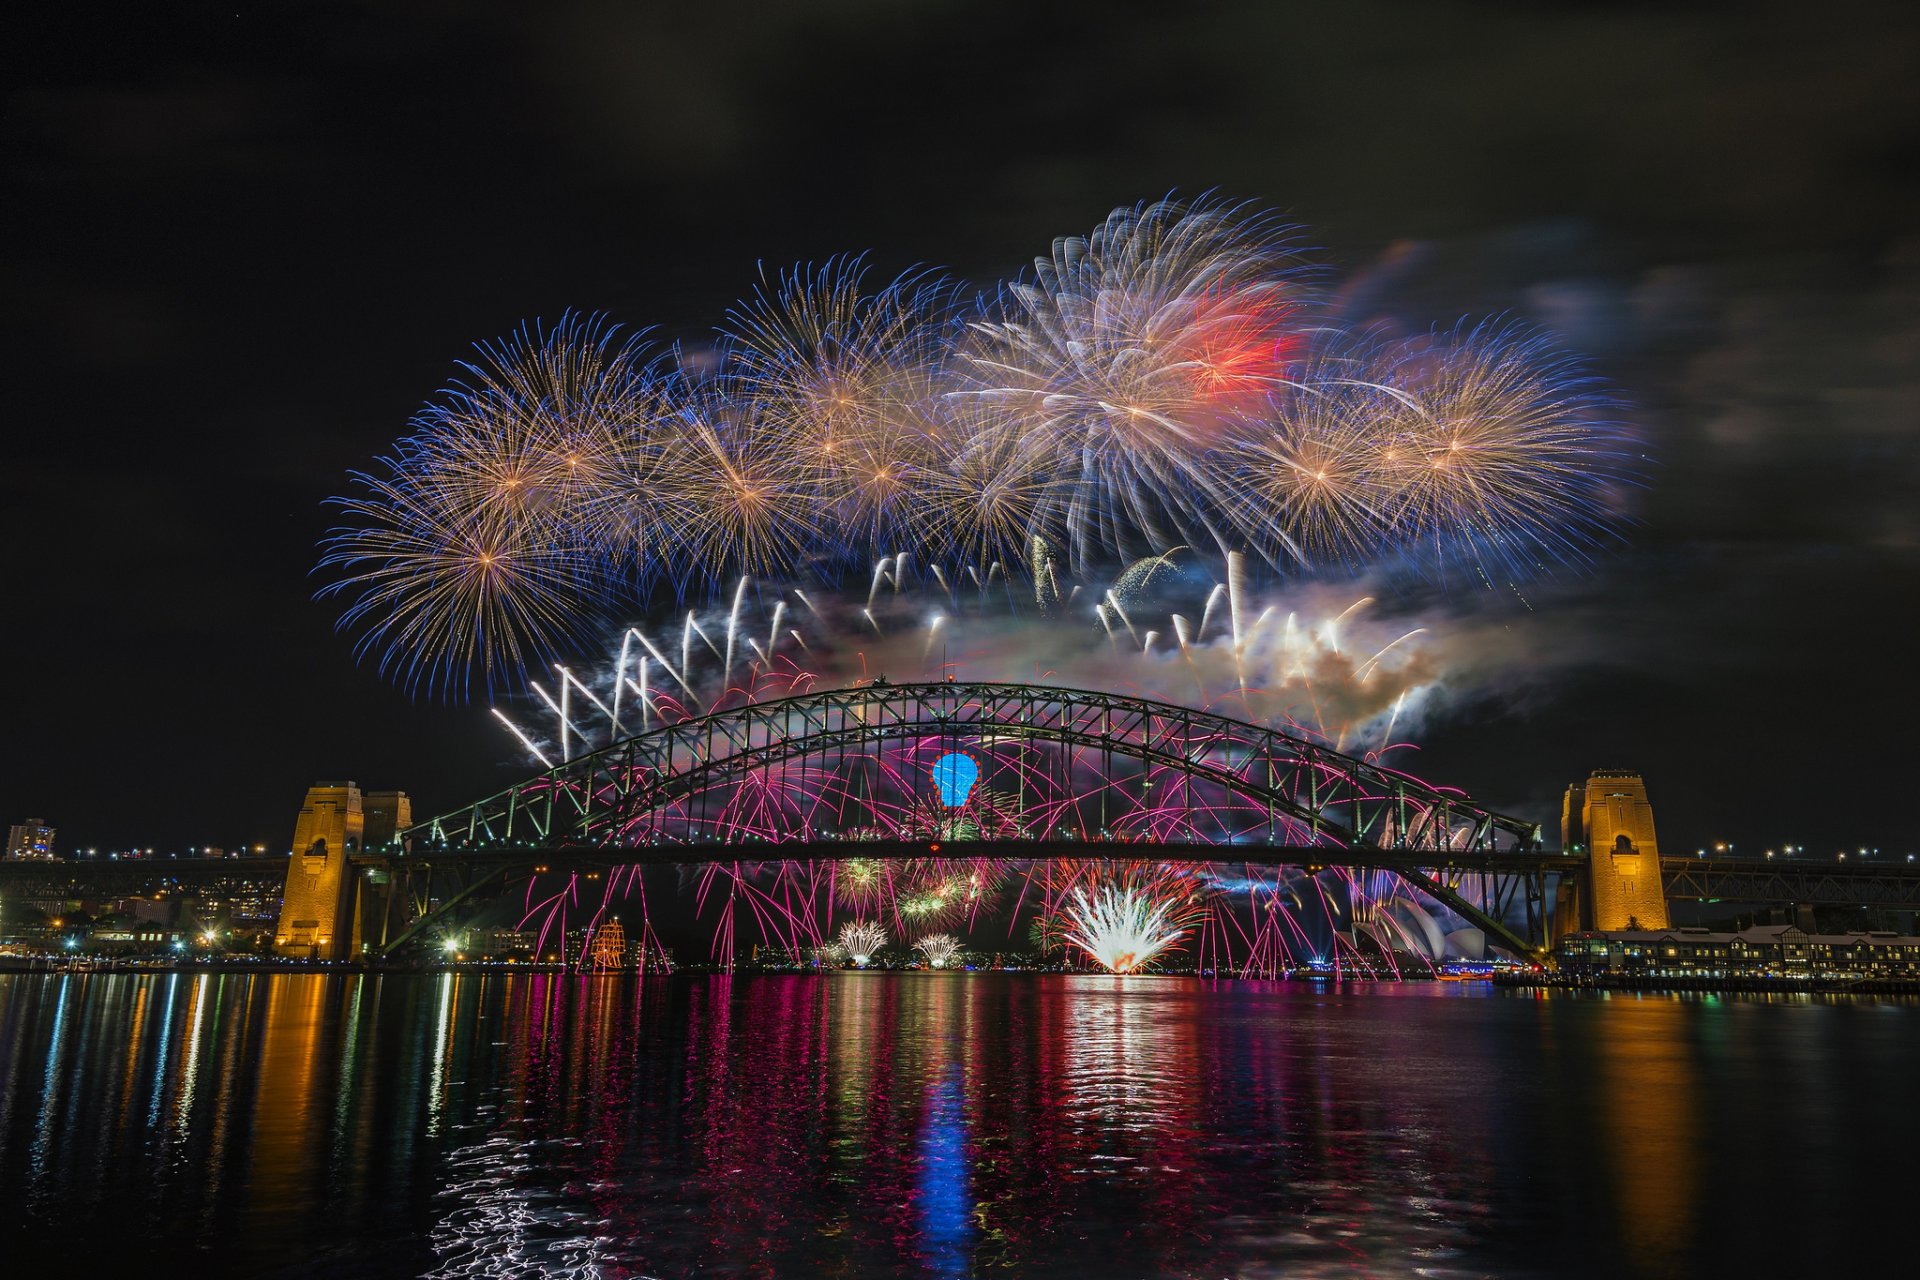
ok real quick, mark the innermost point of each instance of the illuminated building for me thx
(1611, 821)
(1766, 951)
(30, 839)
(501, 944)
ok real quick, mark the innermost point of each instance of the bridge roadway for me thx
(1316, 856)
(1866, 882)
(89, 877)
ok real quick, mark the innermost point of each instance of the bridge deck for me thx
(100, 873)
(1865, 882)
(1478, 860)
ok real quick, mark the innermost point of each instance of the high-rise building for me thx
(30, 839)
(1611, 820)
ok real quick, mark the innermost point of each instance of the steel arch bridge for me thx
(1061, 773)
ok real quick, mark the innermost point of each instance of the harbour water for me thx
(944, 1124)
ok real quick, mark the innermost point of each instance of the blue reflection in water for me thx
(945, 1204)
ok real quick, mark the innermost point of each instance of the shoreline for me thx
(1808, 985)
(1518, 981)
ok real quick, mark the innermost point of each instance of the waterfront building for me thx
(501, 944)
(122, 934)
(30, 839)
(246, 904)
(1765, 951)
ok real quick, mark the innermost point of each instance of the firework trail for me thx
(1124, 923)
(1122, 360)
(860, 940)
(854, 380)
(1330, 675)
(939, 949)
(1171, 379)
(1339, 674)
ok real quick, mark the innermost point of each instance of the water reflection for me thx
(929, 1124)
(1651, 1113)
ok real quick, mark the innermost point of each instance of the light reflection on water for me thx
(940, 1125)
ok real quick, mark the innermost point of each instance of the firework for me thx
(1495, 452)
(1169, 379)
(444, 594)
(1128, 353)
(855, 379)
(980, 509)
(939, 949)
(1124, 924)
(946, 891)
(860, 940)
(1332, 671)
(1301, 474)
(741, 485)
(475, 549)
(1123, 470)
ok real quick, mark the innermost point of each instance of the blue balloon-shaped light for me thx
(955, 773)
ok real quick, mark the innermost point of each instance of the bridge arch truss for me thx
(854, 765)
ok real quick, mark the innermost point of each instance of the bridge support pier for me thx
(326, 896)
(317, 908)
(1610, 819)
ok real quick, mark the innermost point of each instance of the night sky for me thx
(243, 246)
